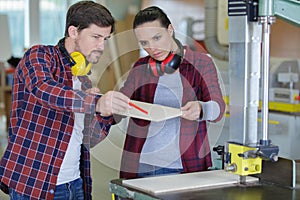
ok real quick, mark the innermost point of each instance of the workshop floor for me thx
(105, 159)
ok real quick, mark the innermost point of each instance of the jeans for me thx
(68, 191)
(13, 195)
(150, 170)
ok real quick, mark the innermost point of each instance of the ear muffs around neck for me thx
(169, 65)
(81, 67)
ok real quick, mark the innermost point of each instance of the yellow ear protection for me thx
(169, 65)
(81, 68)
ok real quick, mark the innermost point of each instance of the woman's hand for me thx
(191, 110)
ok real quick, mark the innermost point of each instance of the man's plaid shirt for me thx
(41, 123)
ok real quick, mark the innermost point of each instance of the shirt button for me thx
(51, 191)
(61, 154)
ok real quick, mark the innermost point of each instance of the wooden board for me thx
(189, 181)
(155, 112)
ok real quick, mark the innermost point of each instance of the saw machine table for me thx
(216, 184)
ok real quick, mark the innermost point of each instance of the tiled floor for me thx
(105, 159)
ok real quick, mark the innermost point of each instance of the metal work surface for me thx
(261, 191)
(258, 192)
(279, 181)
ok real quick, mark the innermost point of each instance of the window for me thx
(14, 9)
(51, 21)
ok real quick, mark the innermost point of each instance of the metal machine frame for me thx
(249, 40)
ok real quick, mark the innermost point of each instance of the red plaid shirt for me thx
(200, 82)
(41, 124)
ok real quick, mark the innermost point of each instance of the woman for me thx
(171, 75)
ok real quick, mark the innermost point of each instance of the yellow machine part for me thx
(284, 107)
(244, 166)
(276, 106)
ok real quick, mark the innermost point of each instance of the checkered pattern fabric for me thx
(41, 123)
(200, 82)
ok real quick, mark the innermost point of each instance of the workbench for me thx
(252, 190)
(262, 191)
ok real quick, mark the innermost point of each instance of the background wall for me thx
(285, 40)
(120, 9)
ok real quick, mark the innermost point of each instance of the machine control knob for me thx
(231, 167)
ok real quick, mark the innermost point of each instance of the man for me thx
(56, 115)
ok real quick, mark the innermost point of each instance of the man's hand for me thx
(191, 110)
(112, 102)
(93, 90)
